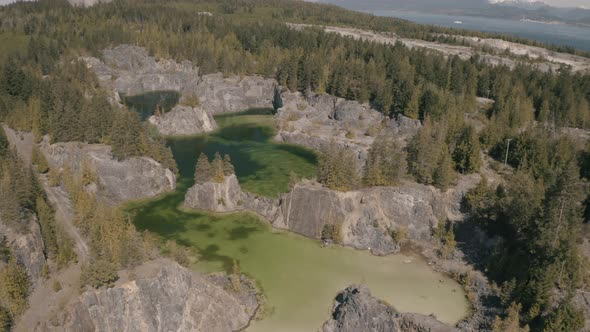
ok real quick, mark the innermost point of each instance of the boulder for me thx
(118, 180)
(26, 245)
(184, 120)
(356, 310)
(164, 297)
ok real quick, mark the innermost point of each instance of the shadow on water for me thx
(146, 104)
(262, 167)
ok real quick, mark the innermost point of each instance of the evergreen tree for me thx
(4, 249)
(126, 135)
(228, 167)
(413, 109)
(217, 168)
(444, 174)
(337, 168)
(386, 163)
(467, 152)
(47, 223)
(14, 288)
(203, 170)
(39, 160)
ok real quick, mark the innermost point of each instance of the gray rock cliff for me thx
(356, 310)
(318, 120)
(365, 218)
(131, 71)
(184, 120)
(118, 181)
(26, 245)
(164, 297)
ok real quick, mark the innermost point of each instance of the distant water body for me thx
(558, 34)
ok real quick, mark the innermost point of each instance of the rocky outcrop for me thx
(117, 181)
(356, 310)
(184, 120)
(130, 70)
(26, 245)
(227, 196)
(218, 94)
(164, 297)
(365, 218)
(318, 120)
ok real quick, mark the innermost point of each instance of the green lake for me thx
(299, 277)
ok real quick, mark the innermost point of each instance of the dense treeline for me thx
(245, 39)
(539, 219)
(537, 214)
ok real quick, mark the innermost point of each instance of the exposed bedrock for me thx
(356, 310)
(26, 245)
(184, 120)
(131, 71)
(366, 218)
(117, 181)
(164, 297)
(318, 120)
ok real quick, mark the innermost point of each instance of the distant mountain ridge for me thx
(507, 9)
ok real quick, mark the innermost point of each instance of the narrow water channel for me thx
(298, 277)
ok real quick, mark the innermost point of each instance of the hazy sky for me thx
(558, 3)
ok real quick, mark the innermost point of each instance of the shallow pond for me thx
(298, 277)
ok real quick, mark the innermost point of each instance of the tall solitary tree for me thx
(203, 171)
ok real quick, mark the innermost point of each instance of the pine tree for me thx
(14, 288)
(217, 168)
(4, 249)
(444, 174)
(47, 222)
(39, 160)
(203, 170)
(228, 167)
(413, 108)
(467, 152)
(126, 135)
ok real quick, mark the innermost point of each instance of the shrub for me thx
(100, 273)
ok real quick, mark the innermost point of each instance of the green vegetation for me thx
(539, 222)
(314, 274)
(12, 43)
(429, 158)
(337, 168)
(14, 288)
(216, 171)
(262, 166)
(386, 163)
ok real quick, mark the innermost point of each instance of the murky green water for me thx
(299, 278)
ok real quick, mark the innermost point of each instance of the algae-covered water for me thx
(298, 277)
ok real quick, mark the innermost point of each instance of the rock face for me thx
(365, 218)
(168, 298)
(218, 94)
(26, 245)
(356, 310)
(229, 197)
(129, 70)
(118, 181)
(316, 121)
(184, 120)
